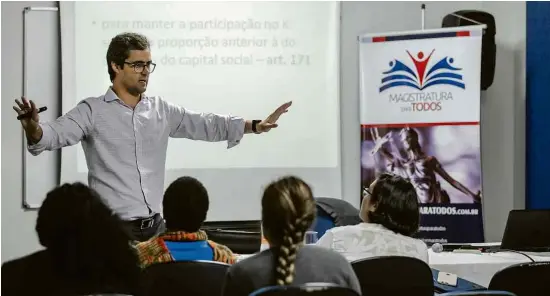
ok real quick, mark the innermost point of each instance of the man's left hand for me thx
(271, 121)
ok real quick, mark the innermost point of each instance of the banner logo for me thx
(421, 77)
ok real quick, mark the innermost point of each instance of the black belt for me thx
(145, 223)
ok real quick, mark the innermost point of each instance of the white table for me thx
(479, 268)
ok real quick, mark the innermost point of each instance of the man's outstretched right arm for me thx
(66, 130)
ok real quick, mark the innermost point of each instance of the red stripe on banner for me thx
(420, 124)
(463, 34)
(378, 39)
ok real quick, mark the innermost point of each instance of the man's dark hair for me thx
(86, 240)
(185, 205)
(120, 47)
(396, 205)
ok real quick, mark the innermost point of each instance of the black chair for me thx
(342, 212)
(242, 237)
(184, 278)
(311, 289)
(524, 279)
(394, 275)
(479, 293)
(243, 225)
(240, 242)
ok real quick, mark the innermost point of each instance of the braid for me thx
(286, 255)
(288, 209)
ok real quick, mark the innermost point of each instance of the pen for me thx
(29, 114)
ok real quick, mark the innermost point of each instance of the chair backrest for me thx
(240, 242)
(394, 275)
(184, 278)
(311, 289)
(342, 212)
(322, 222)
(524, 279)
(478, 293)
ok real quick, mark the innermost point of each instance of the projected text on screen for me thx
(239, 58)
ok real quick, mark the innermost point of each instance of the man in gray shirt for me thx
(124, 135)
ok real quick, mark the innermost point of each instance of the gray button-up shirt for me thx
(125, 148)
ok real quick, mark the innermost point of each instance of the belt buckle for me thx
(146, 223)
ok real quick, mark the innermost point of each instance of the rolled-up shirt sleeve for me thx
(209, 127)
(66, 130)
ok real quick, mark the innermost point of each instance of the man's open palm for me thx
(271, 121)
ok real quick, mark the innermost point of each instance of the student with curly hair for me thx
(185, 206)
(87, 250)
(391, 216)
(288, 210)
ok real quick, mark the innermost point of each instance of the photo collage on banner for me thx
(420, 111)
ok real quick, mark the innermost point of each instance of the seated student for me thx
(390, 212)
(87, 250)
(288, 209)
(185, 206)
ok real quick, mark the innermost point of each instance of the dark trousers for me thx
(145, 229)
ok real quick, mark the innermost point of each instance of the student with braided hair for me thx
(288, 210)
(390, 214)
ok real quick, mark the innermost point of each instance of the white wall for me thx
(503, 109)
(18, 235)
(503, 105)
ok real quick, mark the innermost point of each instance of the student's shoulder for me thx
(41, 255)
(328, 255)
(343, 230)
(327, 259)
(256, 260)
(29, 263)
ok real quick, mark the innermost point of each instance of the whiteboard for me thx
(41, 83)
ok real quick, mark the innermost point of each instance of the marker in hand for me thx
(29, 114)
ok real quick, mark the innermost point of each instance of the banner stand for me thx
(420, 116)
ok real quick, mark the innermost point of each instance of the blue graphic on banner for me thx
(442, 73)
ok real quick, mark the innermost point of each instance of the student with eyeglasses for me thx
(391, 218)
(124, 135)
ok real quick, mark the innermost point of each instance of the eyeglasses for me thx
(140, 66)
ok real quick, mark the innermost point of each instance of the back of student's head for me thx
(185, 205)
(393, 203)
(288, 210)
(85, 238)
